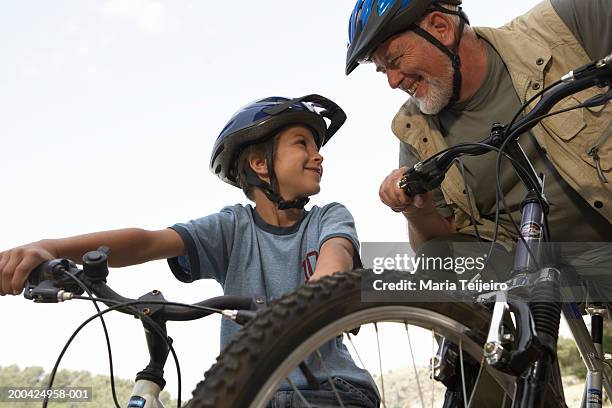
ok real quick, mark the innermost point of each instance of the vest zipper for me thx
(593, 151)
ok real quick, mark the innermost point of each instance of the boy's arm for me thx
(336, 255)
(129, 246)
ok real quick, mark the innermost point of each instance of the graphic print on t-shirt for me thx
(308, 264)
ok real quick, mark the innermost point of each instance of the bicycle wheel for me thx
(271, 346)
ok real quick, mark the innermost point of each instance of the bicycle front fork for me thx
(592, 396)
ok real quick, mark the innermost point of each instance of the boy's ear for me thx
(259, 165)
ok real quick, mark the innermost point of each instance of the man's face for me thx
(417, 67)
(297, 163)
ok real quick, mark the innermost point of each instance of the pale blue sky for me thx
(108, 112)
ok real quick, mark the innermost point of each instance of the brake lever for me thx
(49, 283)
(421, 178)
(46, 292)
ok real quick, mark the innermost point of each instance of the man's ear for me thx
(260, 166)
(441, 26)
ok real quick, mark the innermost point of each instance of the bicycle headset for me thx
(373, 22)
(259, 122)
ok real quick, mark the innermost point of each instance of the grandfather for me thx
(462, 79)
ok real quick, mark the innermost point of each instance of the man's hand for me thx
(396, 199)
(424, 221)
(17, 263)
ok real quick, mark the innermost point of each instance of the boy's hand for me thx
(17, 263)
(396, 199)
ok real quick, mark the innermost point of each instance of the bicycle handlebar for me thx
(52, 282)
(429, 174)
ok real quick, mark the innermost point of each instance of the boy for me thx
(270, 149)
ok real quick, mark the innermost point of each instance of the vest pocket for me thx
(585, 131)
(565, 125)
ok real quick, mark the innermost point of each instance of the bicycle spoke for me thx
(416, 374)
(331, 382)
(433, 381)
(465, 399)
(298, 392)
(382, 379)
(355, 349)
(482, 363)
(312, 380)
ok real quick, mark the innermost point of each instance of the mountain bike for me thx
(475, 336)
(508, 336)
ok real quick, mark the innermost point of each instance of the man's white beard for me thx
(438, 93)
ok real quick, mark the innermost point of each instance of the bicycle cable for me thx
(154, 326)
(510, 124)
(497, 195)
(472, 218)
(533, 98)
(462, 169)
(538, 193)
(498, 166)
(117, 305)
(106, 336)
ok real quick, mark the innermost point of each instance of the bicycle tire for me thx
(242, 375)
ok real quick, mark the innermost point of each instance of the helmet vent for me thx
(218, 169)
(217, 153)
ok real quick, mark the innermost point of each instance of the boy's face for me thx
(297, 163)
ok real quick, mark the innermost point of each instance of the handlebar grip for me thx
(411, 187)
(412, 183)
(34, 277)
(47, 271)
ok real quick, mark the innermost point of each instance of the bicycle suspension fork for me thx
(544, 303)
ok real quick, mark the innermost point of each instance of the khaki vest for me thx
(537, 49)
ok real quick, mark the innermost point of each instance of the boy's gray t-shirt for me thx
(249, 257)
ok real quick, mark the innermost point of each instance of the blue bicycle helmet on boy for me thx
(372, 22)
(260, 121)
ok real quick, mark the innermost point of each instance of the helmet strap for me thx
(452, 55)
(271, 189)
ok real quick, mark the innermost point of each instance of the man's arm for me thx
(336, 255)
(427, 224)
(427, 216)
(128, 247)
